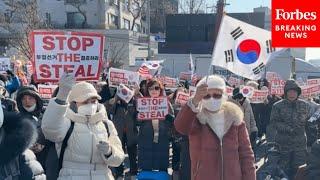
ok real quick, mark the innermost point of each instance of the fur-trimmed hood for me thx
(16, 135)
(233, 115)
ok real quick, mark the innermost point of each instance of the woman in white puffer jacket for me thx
(90, 150)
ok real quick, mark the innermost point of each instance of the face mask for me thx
(30, 109)
(88, 109)
(212, 104)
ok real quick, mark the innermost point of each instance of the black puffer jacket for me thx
(17, 162)
(314, 162)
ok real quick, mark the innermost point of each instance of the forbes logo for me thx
(281, 14)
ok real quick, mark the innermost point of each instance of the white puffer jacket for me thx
(82, 160)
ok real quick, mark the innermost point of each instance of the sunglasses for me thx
(157, 88)
(215, 96)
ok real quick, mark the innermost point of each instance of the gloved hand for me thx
(104, 148)
(66, 83)
(9, 72)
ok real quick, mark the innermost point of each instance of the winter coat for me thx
(82, 160)
(212, 159)
(35, 116)
(288, 120)
(124, 119)
(16, 161)
(154, 156)
(313, 165)
(248, 115)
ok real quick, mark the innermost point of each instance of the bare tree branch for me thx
(136, 8)
(78, 4)
(18, 19)
(190, 6)
(116, 53)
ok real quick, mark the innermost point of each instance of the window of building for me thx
(136, 28)
(75, 1)
(126, 24)
(48, 18)
(75, 20)
(113, 19)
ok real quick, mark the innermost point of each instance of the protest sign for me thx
(233, 81)
(185, 76)
(229, 90)
(152, 108)
(4, 64)
(170, 82)
(247, 91)
(46, 91)
(56, 52)
(277, 87)
(120, 76)
(313, 81)
(259, 96)
(182, 98)
(124, 93)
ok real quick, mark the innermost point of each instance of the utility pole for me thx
(293, 68)
(148, 29)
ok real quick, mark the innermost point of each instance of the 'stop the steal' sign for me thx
(152, 108)
(54, 53)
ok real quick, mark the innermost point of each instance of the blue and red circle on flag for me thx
(248, 51)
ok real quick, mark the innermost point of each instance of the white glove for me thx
(66, 83)
(104, 148)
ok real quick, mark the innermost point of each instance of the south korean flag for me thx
(242, 48)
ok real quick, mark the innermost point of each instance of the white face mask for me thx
(88, 109)
(212, 104)
(30, 109)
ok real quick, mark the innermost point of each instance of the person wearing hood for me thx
(30, 105)
(244, 104)
(17, 134)
(288, 119)
(219, 142)
(93, 145)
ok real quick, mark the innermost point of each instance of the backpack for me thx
(54, 165)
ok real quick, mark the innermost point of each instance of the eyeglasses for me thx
(157, 88)
(215, 96)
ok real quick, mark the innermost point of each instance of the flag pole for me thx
(214, 46)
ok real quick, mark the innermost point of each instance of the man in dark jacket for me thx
(30, 105)
(17, 162)
(288, 118)
(12, 82)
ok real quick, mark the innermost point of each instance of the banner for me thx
(233, 81)
(152, 108)
(313, 81)
(315, 116)
(259, 96)
(182, 98)
(124, 93)
(168, 82)
(185, 76)
(4, 64)
(120, 76)
(277, 87)
(46, 91)
(310, 91)
(242, 48)
(56, 52)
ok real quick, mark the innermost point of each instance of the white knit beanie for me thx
(214, 81)
(83, 91)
